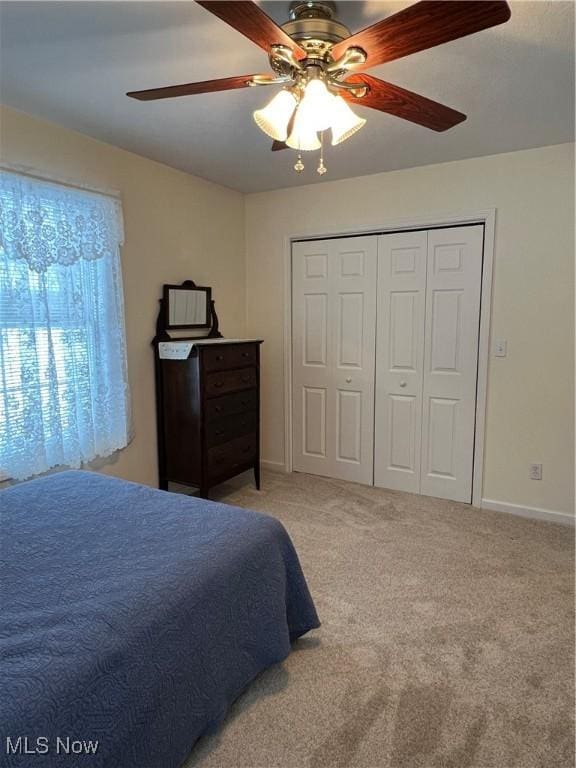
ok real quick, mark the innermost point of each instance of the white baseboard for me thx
(273, 466)
(548, 515)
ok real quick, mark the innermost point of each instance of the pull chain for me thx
(299, 165)
(321, 167)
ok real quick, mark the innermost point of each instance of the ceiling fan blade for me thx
(424, 25)
(251, 21)
(189, 89)
(387, 97)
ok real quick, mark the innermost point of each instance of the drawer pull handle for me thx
(245, 379)
(248, 448)
(219, 432)
(218, 384)
(218, 409)
(245, 354)
(219, 357)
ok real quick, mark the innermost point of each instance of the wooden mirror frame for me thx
(187, 285)
(161, 323)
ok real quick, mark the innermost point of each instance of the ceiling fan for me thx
(317, 61)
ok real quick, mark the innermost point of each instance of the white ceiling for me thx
(72, 62)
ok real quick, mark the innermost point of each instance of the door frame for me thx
(487, 217)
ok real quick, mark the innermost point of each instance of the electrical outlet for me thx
(535, 471)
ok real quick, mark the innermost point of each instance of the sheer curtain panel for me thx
(64, 396)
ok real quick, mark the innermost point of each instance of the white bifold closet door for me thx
(400, 359)
(334, 330)
(429, 286)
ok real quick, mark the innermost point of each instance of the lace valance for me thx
(44, 223)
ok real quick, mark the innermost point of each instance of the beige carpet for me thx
(447, 638)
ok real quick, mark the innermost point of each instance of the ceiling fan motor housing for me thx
(313, 27)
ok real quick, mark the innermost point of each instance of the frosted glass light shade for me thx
(274, 118)
(344, 121)
(317, 106)
(303, 136)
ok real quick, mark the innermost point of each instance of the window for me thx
(64, 396)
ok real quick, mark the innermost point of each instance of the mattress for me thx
(132, 618)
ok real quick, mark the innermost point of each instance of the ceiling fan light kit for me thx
(317, 61)
(303, 137)
(316, 105)
(274, 118)
(344, 121)
(296, 116)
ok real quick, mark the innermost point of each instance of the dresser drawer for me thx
(230, 381)
(229, 456)
(228, 405)
(224, 356)
(227, 428)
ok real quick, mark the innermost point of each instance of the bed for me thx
(132, 618)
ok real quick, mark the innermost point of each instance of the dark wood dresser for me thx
(209, 414)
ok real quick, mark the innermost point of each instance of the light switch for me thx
(500, 348)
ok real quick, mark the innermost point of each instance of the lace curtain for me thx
(64, 396)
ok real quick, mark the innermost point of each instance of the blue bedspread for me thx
(133, 617)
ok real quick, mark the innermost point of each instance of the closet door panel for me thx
(350, 313)
(314, 422)
(334, 319)
(311, 358)
(451, 361)
(349, 425)
(315, 345)
(402, 433)
(399, 359)
(354, 337)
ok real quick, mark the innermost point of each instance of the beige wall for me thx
(176, 227)
(530, 416)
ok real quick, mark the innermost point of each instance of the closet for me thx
(333, 346)
(385, 354)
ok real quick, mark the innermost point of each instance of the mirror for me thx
(187, 307)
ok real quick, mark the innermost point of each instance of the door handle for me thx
(403, 383)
